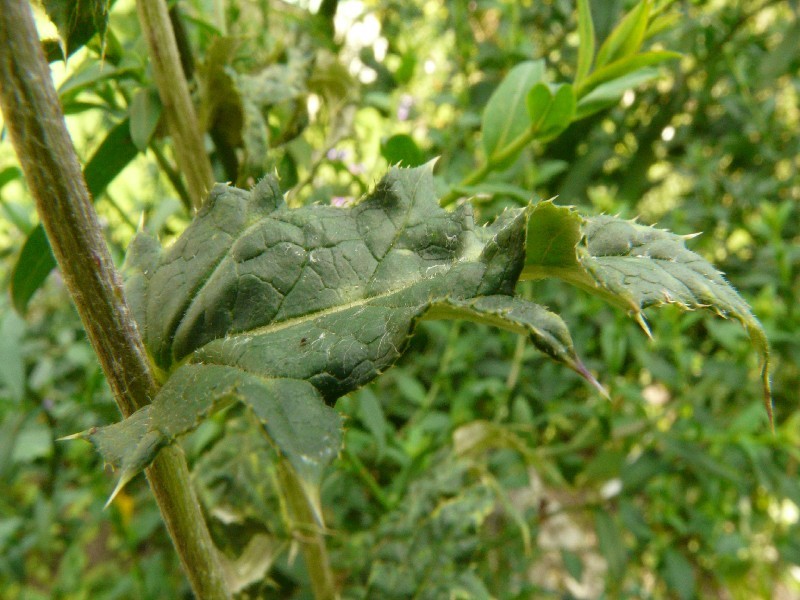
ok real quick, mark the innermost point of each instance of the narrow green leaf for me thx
(678, 574)
(609, 93)
(115, 152)
(12, 365)
(572, 563)
(371, 414)
(285, 310)
(623, 67)
(661, 23)
(144, 113)
(90, 75)
(610, 543)
(8, 175)
(13, 212)
(635, 266)
(33, 265)
(505, 117)
(587, 41)
(626, 38)
(36, 258)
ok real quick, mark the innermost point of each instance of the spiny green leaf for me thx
(285, 310)
(634, 266)
(546, 329)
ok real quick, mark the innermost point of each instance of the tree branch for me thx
(33, 116)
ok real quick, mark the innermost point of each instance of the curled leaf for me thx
(285, 310)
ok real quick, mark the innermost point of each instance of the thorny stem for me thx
(39, 135)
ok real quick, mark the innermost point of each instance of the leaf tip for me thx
(581, 369)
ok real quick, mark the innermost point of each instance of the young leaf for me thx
(627, 37)
(609, 93)
(634, 266)
(505, 117)
(623, 67)
(145, 111)
(587, 41)
(550, 113)
(286, 310)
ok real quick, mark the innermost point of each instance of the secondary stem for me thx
(308, 532)
(174, 93)
(490, 165)
(33, 116)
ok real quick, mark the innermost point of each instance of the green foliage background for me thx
(477, 468)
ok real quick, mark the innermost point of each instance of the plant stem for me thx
(173, 176)
(490, 165)
(174, 92)
(33, 116)
(308, 533)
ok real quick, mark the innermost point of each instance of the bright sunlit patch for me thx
(312, 104)
(785, 512)
(627, 98)
(611, 488)
(668, 133)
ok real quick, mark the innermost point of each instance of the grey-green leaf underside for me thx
(286, 310)
(634, 266)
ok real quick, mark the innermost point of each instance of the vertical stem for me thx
(174, 92)
(307, 530)
(32, 113)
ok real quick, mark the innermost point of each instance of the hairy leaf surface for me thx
(634, 266)
(286, 310)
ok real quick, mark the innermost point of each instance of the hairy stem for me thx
(36, 124)
(174, 92)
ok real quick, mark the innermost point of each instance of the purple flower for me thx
(334, 154)
(404, 107)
